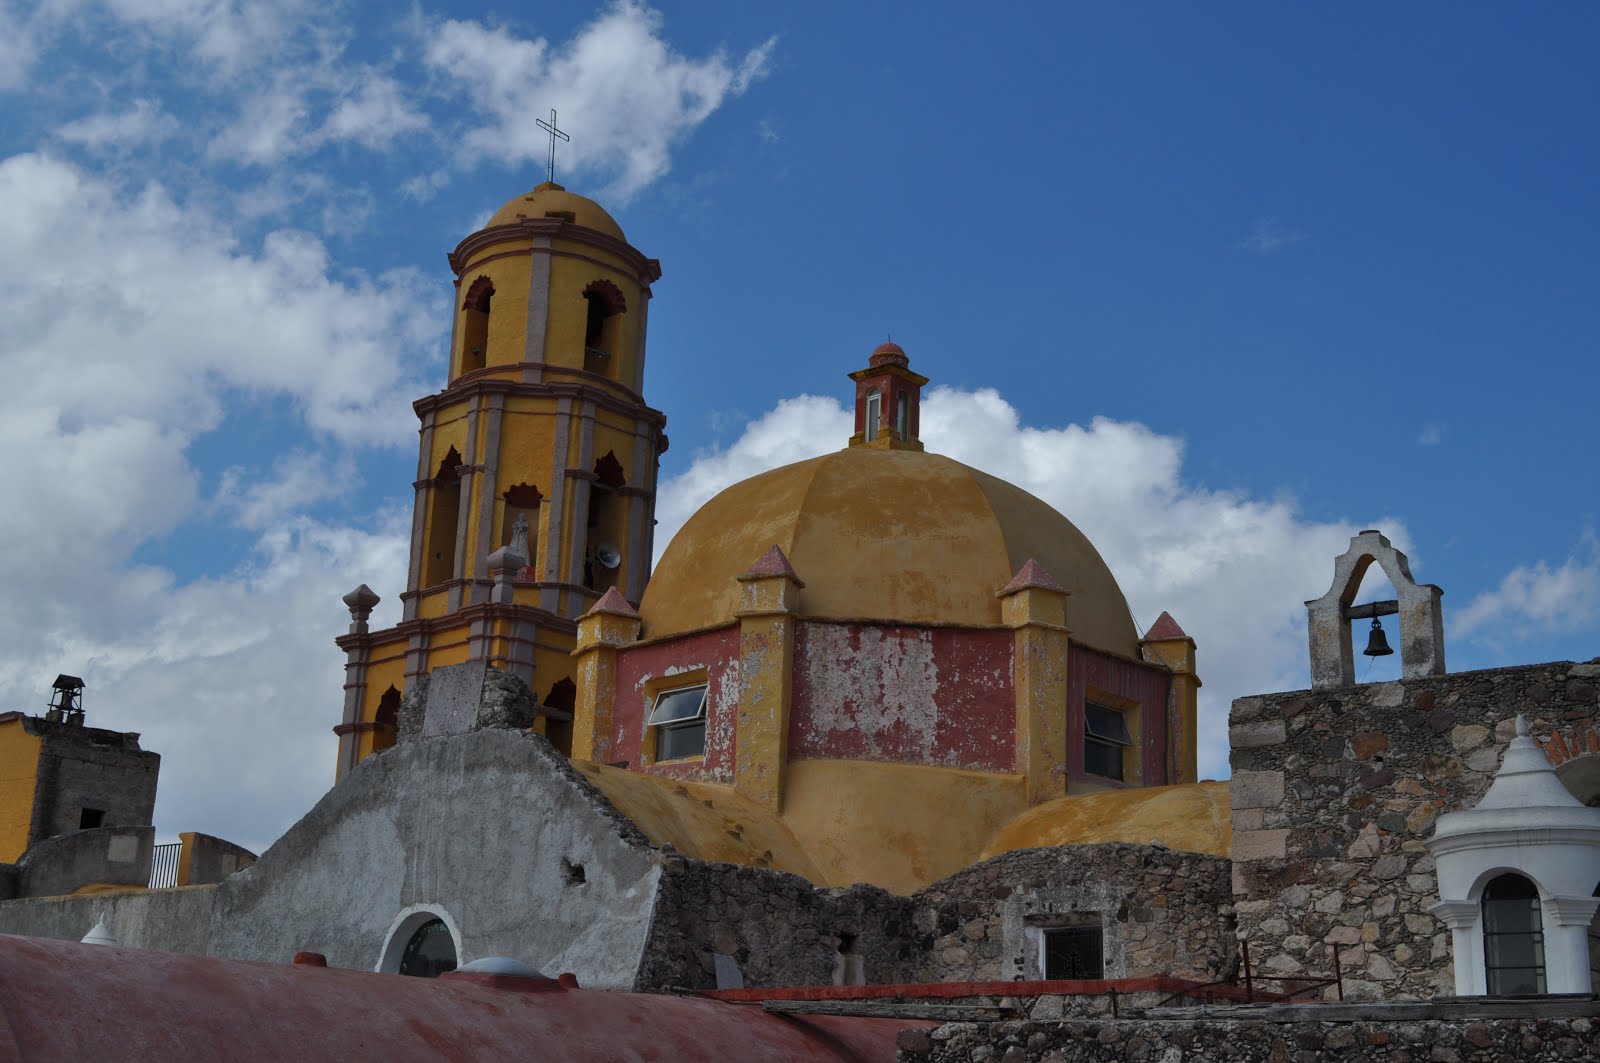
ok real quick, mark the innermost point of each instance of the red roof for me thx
(1164, 628)
(888, 352)
(61, 1000)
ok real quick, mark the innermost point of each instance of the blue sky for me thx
(1225, 283)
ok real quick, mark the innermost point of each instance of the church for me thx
(874, 720)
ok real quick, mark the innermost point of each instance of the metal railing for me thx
(164, 865)
(1293, 986)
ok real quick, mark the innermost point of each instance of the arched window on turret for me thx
(1513, 937)
(602, 553)
(902, 415)
(443, 512)
(602, 334)
(475, 325)
(869, 431)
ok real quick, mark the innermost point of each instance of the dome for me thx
(887, 535)
(550, 198)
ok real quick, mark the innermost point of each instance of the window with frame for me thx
(1513, 937)
(1105, 740)
(1073, 952)
(869, 428)
(679, 719)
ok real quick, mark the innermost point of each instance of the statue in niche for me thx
(519, 537)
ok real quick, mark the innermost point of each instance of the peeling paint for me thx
(714, 652)
(939, 696)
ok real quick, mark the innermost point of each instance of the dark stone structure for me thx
(89, 770)
(1528, 1039)
(1335, 789)
(1161, 913)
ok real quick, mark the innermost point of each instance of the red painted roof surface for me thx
(613, 602)
(1164, 628)
(61, 1000)
(1031, 574)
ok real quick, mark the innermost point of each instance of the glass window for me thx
(430, 952)
(1513, 937)
(679, 717)
(869, 431)
(1074, 952)
(902, 416)
(1105, 736)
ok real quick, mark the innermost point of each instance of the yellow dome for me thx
(879, 534)
(1194, 817)
(550, 199)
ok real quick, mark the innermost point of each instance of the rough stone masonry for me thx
(1334, 791)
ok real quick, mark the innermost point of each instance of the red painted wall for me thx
(715, 651)
(916, 695)
(1146, 684)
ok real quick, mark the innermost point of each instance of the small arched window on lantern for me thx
(475, 325)
(869, 431)
(902, 415)
(1513, 937)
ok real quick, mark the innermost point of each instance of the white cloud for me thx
(374, 114)
(618, 86)
(131, 329)
(1269, 235)
(1534, 599)
(19, 46)
(1233, 570)
(142, 123)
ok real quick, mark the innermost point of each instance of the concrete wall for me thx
(109, 855)
(492, 829)
(207, 859)
(1333, 793)
(176, 920)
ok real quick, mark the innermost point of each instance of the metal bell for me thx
(1377, 641)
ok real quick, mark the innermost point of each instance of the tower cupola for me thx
(888, 401)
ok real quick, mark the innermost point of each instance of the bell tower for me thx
(536, 468)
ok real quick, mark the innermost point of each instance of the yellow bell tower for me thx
(536, 472)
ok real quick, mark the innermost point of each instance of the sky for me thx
(1223, 283)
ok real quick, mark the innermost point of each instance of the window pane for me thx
(1073, 952)
(1101, 758)
(1108, 725)
(680, 740)
(430, 952)
(685, 703)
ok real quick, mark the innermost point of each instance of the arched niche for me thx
(1417, 605)
(426, 925)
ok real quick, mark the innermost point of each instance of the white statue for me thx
(519, 538)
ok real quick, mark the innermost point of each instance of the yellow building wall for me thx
(19, 766)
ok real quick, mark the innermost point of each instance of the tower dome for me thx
(884, 535)
(550, 200)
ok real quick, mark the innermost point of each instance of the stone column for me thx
(611, 624)
(357, 651)
(1165, 643)
(1034, 606)
(769, 603)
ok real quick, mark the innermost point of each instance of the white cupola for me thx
(1518, 875)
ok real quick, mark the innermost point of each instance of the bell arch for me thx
(1417, 605)
(604, 306)
(475, 325)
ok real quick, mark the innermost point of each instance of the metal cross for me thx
(555, 134)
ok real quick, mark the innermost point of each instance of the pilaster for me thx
(767, 617)
(1167, 644)
(358, 651)
(611, 624)
(1034, 606)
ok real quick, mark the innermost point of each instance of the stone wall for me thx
(1526, 1040)
(117, 856)
(1163, 912)
(90, 767)
(776, 927)
(1333, 793)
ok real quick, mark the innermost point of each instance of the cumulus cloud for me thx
(1234, 570)
(621, 89)
(131, 330)
(1535, 599)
